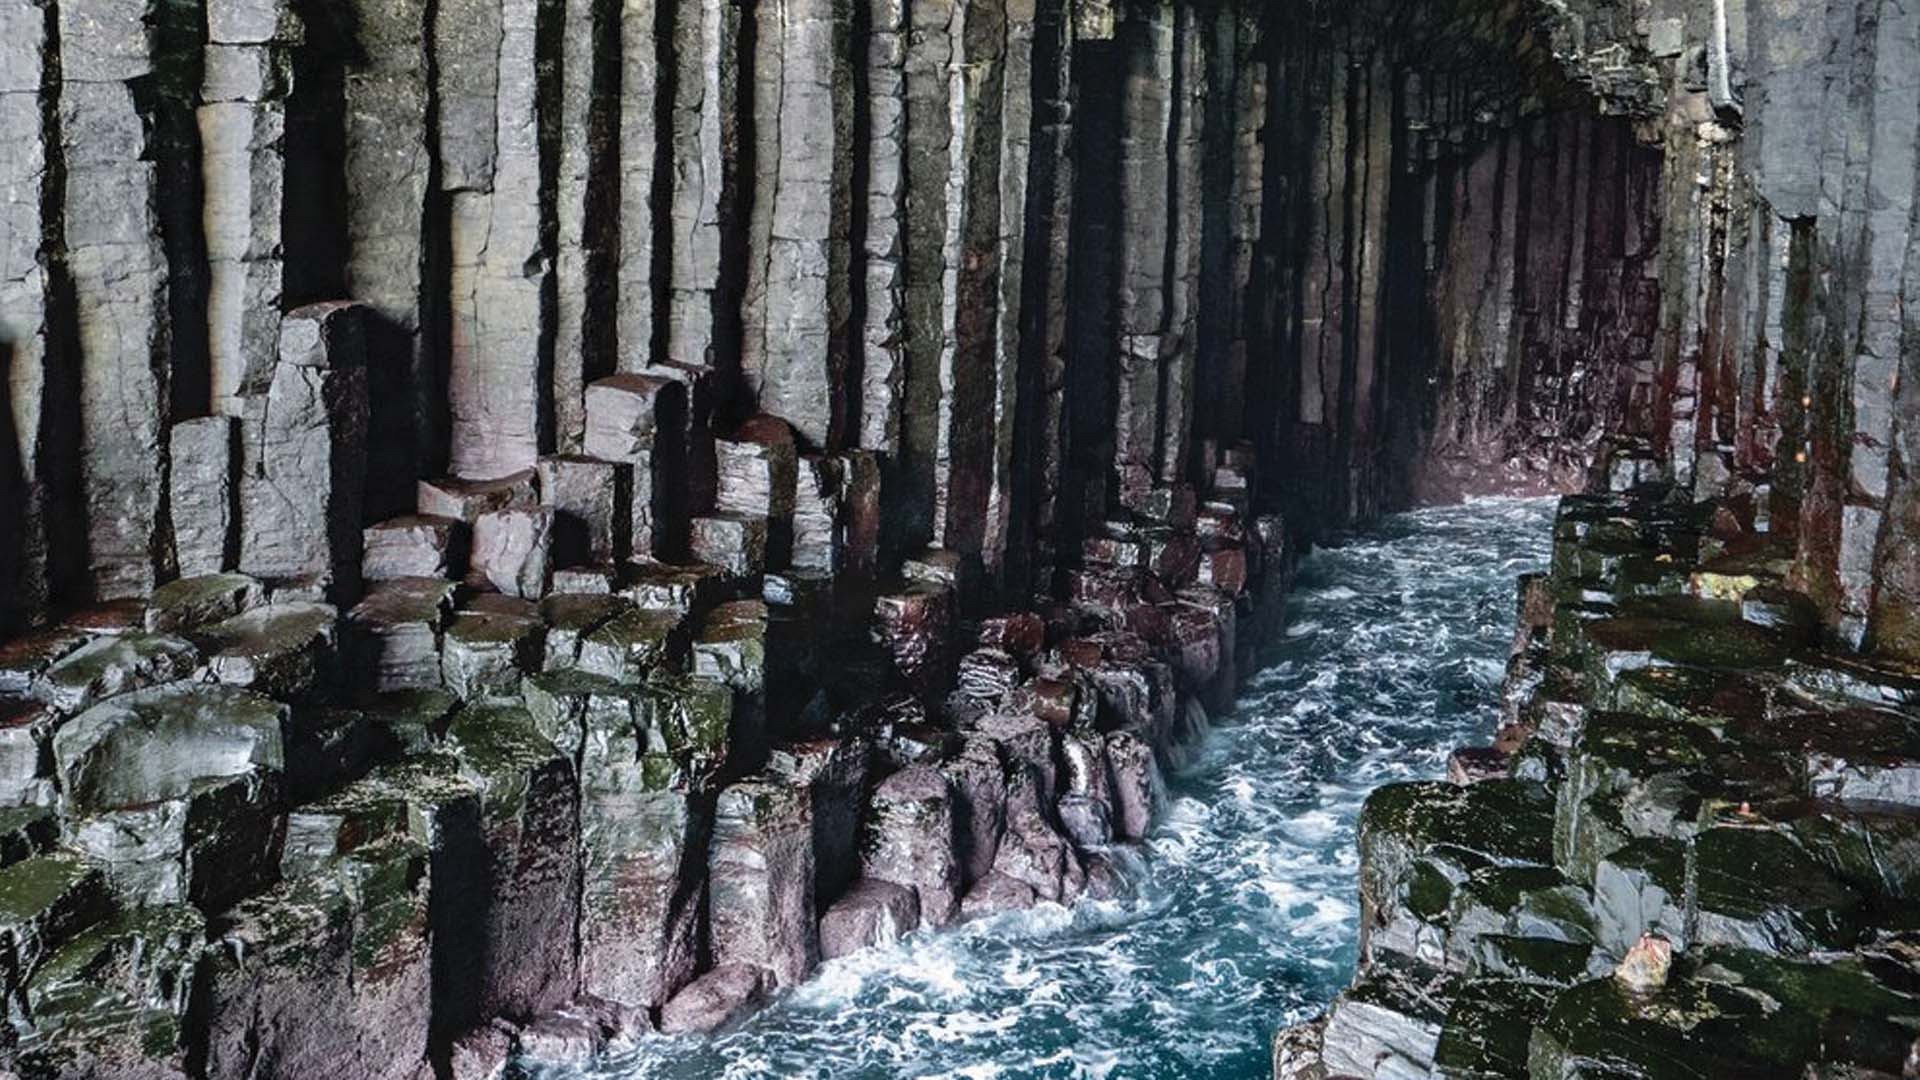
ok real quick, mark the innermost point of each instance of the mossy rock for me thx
(1639, 888)
(1389, 1022)
(1530, 959)
(407, 722)
(1856, 755)
(1488, 1028)
(502, 751)
(1855, 680)
(1728, 1013)
(1711, 699)
(1444, 831)
(1736, 646)
(1630, 776)
(564, 705)
(636, 643)
(1651, 575)
(113, 1000)
(1521, 901)
(1756, 888)
(689, 719)
(1873, 849)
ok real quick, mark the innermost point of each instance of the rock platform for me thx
(1692, 850)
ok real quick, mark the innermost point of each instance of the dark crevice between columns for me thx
(659, 208)
(735, 215)
(59, 465)
(549, 28)
(1029, 546)
(850, 346)
(1092, 263)
(313, 210)
(600, 237)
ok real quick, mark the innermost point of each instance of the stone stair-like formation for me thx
(605, 746)
(1693, 850)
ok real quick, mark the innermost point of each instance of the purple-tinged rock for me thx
(871, 913)
(416, 545)
(911, 837)
(714, 1000)
(760, 879)
(466, 500)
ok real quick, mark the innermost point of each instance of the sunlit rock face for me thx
(750, 480)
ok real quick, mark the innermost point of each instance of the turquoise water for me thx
(1245, 915)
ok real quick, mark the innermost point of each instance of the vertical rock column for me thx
(24, 96)
(1147, 113)
(1180, 338)
(117, 260)
(1015, 129)
(706, 152)
(242, 122)
(796, 307)
(303, 454)
(586, 196)
(643, 84)
(954, 81)
(388, 171)
(883, 252)
(500, 234)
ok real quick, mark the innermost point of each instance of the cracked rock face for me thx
(743, 482)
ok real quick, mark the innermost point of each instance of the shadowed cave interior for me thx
(528, 526)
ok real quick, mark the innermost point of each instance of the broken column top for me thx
(157, 744)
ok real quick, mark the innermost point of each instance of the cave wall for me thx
(1026, 262)
(1784, 359)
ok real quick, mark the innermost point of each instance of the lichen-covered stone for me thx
(287, 649)
(634, 643)
(113, 664)
(731, 646)
(186, 603)
(484, 655)
(326, 975)
(525, 894)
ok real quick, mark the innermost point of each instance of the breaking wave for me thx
(1246, 912)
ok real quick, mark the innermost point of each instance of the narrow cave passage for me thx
(1241, 903)
(547, 535)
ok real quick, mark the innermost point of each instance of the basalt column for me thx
(115, 253)
(242, 123)
(28, 401)
(796, 309)
(495, 174)
(395, 240)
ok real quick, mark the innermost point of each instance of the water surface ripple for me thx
(1246, 914)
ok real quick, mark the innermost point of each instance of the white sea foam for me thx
(1245, 917)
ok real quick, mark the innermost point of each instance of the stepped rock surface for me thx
(528, 524)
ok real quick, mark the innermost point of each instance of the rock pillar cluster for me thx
(762, 476)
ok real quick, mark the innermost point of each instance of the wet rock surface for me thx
(870, 441)
(471, 817)
(1672, 882)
